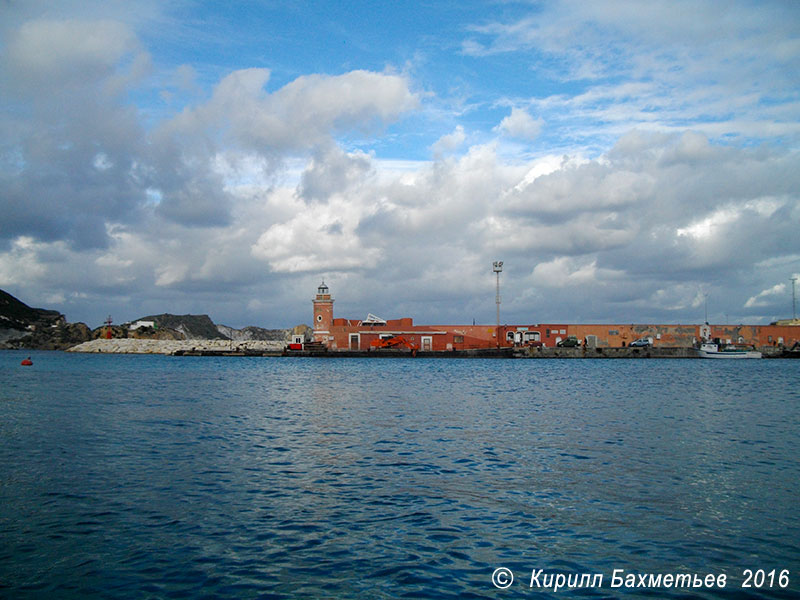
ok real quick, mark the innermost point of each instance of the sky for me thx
(628, 161)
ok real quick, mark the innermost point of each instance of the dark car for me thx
(570, 342)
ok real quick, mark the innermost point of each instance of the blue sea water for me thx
(183, 477)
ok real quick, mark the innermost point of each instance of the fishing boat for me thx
(710, 350)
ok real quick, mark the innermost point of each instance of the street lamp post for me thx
(497, 267)
(794, 299)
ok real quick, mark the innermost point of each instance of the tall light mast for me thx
(497, 267)
(794, 300)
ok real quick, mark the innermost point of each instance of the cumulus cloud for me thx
(450, 141)
(238, 201)
(46, 54)
(565, 271)
(80, 158)
(71, 139)
(520, 124)
(302, 114)
(333, 171)
(318, 240)
(630, 230)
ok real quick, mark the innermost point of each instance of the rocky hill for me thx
(193, 327)
(24, 327)
(253, 333)
(16, 315)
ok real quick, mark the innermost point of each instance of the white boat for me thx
(709, 350)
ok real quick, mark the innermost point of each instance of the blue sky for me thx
(626, 160)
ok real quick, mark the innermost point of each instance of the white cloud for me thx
(520, 124)
(763, 298)
(451, 141)
(622, 65)
(710, 225)
(333, 171)
(302, 114)
(568, 272)
(51, 54)
(319, 240)
(20, 264)
(601, 236)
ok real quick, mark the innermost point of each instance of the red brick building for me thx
(354, 334)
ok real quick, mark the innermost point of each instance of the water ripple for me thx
(129, 477)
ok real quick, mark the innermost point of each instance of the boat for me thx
(711, 350)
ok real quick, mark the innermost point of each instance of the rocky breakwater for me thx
(146, 346)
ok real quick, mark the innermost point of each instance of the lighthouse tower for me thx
(323, 314)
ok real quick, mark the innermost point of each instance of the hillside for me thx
(36, 328)
(193, 327)
(253, 333)
(22, 326)
(15, 314)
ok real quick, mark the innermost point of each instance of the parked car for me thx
(641, 343)
(570, 342)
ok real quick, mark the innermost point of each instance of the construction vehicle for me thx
(392, 343)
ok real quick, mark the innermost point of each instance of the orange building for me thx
(354, 334)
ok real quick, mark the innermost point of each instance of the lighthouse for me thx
(323, 314)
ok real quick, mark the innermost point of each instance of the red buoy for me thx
(27, 362)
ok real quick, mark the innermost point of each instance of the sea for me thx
(148, 476)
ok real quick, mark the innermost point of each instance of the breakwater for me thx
(181, 347)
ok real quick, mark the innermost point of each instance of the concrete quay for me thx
(278, 348)
(626, 352)
(607, 352)
(181, 347)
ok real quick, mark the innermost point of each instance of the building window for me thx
(613, 332)
(547, 332)
(458, 339)
(509, 336)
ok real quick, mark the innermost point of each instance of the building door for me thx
(355, 341)
(427, 343)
